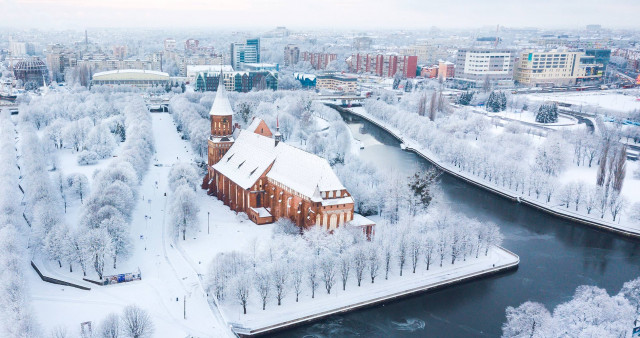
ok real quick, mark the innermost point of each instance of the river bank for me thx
(289, 315)
(410, 145)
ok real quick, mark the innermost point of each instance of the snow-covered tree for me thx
(136, 322)
(344, 265)
(110, 327)
(527, 320)
(184, 211)
(373, 261)
(242, 287)
(101, 141)
(313, 275)
(280, 277)
(183, 174)
(328, 271)
(78, 185)
(262, 280)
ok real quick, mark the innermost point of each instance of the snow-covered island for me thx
(114, 217)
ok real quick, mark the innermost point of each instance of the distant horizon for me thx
(337, 14)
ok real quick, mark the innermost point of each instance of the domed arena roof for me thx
(30, 64)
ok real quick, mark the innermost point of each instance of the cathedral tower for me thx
(221, 116)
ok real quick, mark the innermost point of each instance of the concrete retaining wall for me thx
(392, 297)
(56, 281)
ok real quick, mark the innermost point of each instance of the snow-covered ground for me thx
(167, 277)
(530, 117)
(609, 99)
(354, 296)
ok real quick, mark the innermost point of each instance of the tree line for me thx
(16, 314)
(292, 266)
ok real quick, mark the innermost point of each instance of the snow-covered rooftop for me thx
(192, 70)
(248, 158)
(254, 124)
(130, 72)
(303, 171)
(252, 154)
(221, 105)
(359, 221)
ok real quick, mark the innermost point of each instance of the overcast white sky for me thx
(365, 14)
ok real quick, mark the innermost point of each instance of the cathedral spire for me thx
(221, 105)
(277, 136)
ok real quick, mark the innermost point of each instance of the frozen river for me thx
(556, 256)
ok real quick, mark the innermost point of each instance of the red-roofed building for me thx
(269, 179)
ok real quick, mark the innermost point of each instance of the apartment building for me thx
(383, 65)
(319, 60)
(556, 68)
(291, 55)
(446, 70)
(426, 53)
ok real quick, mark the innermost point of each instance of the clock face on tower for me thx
(224, 120)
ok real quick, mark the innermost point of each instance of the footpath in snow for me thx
(290, 313)
(623, 228)
(167, 277)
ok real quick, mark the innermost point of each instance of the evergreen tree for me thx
(465, 98)
(547, 113)
(489, 103)
(503, 101)
(496, 102)
(408, 87)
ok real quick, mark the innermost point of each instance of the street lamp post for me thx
(207, 222)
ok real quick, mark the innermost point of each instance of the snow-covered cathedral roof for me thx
(254, 124)
(252, 154)
(221, 105)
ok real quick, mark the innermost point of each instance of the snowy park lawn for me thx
(530, 117)
(228, 232)
(610, 99)
(382, 290)
(166, 274)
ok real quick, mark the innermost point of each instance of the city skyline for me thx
(348, 14)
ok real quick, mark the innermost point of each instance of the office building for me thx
(241, 81)
(248, 52)
(474, 66)
(556, 68)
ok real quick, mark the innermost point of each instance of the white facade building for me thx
(477, 65)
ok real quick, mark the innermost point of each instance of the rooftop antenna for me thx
(495, 45)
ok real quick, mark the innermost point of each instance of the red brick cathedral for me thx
(252, 171)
